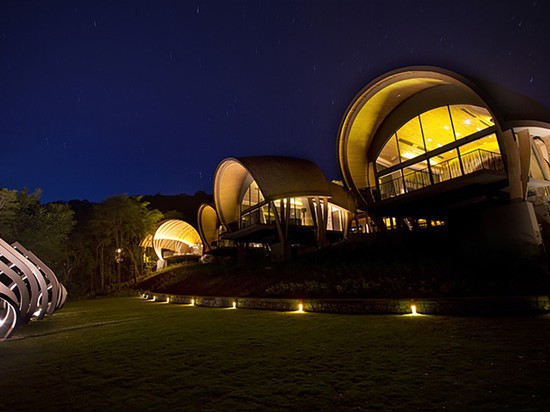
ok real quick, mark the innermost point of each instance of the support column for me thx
(524, 140)
(279, 251)
(321, 221)
(513, 165)
(287, 218)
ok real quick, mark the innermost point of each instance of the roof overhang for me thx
(380, 98)
(277, 177)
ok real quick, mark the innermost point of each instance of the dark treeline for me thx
(180, 206)
(94, 248)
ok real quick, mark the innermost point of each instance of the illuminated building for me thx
(282, 202)
(174, 241)
(208, 224)
(422, 146)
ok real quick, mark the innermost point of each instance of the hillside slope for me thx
(391, 265)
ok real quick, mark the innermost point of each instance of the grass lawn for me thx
(131, 354)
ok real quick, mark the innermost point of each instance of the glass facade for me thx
(436, 146)
(256, 210)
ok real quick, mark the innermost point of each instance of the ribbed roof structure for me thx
(208, 223)
(277, 177)
(173, 234)
(364, 128)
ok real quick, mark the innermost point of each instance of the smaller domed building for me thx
(284, 204)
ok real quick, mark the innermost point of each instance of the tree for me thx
(118, 226)
(9, 208)
(43, 229)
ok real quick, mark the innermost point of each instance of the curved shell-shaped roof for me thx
(277, 177)
(513, 109)
(208, 222)
(147, 241)
(428, 87)
(341, 197)
(172, 233)
(375, 102)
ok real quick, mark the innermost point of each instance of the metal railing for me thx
(482, 160)
(254, 217)
(470, 162)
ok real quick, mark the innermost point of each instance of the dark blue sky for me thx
(104, 97)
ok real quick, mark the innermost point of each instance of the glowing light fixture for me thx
(408, 155)
(413, 310)
(300, 308)
(192, 302)
(234, 305)
(468, 121)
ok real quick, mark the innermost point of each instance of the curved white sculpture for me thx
(28, 288)
(56, 291)
(9, 312)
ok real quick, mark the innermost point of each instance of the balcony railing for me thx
(473, 161)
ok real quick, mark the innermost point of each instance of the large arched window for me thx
(438, 145)
(253, 205)
(256, 210)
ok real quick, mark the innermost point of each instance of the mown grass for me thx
(131, 354)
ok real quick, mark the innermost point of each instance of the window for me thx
(447, 142)
(390, 154)
(410, 142)
(252, 197)
(437, 128)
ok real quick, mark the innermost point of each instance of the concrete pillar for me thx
(512, 225)
(524, 140)
(513, 165)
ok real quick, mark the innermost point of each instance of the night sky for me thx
(141, 97)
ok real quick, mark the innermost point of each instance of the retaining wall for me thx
(513, 305)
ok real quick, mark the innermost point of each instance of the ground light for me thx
(300, 308)
(192, 302)
(414, 312)
(234, 305)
